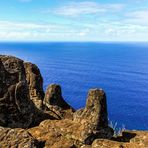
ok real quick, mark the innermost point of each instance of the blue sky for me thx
(74, 20)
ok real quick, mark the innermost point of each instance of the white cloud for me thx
(126, 32)
(74, 9)
(19, 30)
(30, 27)
(33, 31)
(89, 31)
(84, 32)
(138, 17)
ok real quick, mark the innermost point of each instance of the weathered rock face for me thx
(54, 97)
(88, 123)
(24, 105)
(35, 82)
(137, 137)
(12, 85)
(96, 108)
(16, 107)
(104, 143)
(66, 134)
(95, 114)
(129, 139)
(16, 138)
(54, 101)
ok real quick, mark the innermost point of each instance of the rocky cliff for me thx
(30, 118)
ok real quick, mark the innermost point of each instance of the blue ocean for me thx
(121, 69)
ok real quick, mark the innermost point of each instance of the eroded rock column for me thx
(94, 115)
(55, 102)
(96, 108)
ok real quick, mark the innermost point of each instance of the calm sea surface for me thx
(121, 69)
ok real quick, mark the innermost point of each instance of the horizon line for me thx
(46, 41)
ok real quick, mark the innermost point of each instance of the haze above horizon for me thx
(74, 20)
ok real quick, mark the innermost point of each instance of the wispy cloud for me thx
(138, 17)
(19, 30)
(25, 25)
(81, 20)
(36, 31)
(74, 9)
(99, 31)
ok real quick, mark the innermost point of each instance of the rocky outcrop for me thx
(138, 137)
(17, 138)
(16, 106)
(95, 114)
(87, 125)
(48, 120)
(104, 143)
(35, 83)
(129, 139)
(54, 102)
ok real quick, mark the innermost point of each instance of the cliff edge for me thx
(30, 118)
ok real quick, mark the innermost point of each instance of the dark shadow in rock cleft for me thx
(126, 137)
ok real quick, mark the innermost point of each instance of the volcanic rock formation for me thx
(18, 107)
(54, 101)
(35, 84)
(31, 118)
(17, 138)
